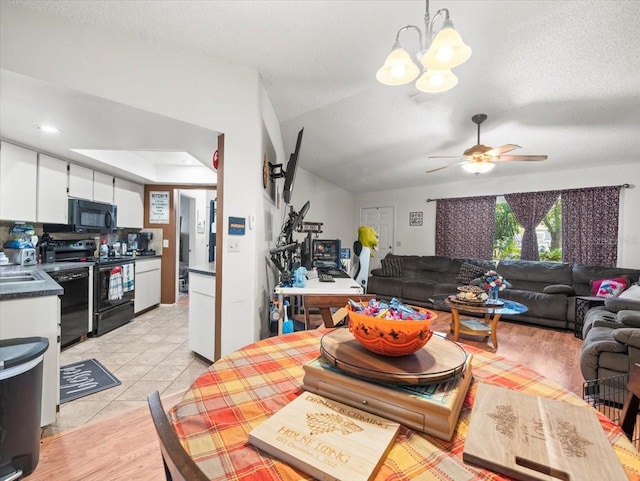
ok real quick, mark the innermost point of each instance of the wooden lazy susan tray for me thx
(439, 359)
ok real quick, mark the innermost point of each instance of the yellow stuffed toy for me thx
(363, 249)
(368, 237)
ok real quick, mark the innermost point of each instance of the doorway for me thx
(193, 235)
(382, 219)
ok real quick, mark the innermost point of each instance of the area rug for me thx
(83, 378)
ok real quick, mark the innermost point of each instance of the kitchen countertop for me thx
(44, 287)
(208, 269)
(59, 266)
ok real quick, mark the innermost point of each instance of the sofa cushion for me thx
(628, 336)
(469, 272)
(609, 287)
(583, 275)
(409, 265)
(417, 290)
(632, 293)
(609, 324)
(391, 267)
(615, 304)
(602, 339)
(534, 276)
(444, 288)
(437, 269)
(595, 315)
(385, 286)
(613, 361)
(549, 306)
(558, 289)
(629, 318)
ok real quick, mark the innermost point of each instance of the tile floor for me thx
(150, 353)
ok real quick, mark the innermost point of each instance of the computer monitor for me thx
(325, 253)
(290, 174)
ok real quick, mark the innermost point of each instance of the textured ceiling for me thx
(560, 78)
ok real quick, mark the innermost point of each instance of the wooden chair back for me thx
(631, 403)
(325, 302)
(178, 465)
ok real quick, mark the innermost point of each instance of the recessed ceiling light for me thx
(50, 129)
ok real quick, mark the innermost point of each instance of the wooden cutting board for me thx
(439, 359)
(530, 438)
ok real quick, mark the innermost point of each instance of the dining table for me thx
(241, 390)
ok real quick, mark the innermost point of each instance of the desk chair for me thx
(178, 465)
(631, 403)
(325, 302)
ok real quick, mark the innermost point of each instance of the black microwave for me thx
(92, 217)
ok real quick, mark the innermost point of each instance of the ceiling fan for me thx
(481, 158)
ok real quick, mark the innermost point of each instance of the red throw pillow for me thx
(609, 287)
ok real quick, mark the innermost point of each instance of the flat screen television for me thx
(325, 253)
(290, 173)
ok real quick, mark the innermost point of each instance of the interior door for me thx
(382, 220)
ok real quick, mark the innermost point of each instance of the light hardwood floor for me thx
(125, 448)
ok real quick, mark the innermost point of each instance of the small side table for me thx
(583, 304)
(492, 313)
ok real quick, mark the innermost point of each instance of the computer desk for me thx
(346, 286)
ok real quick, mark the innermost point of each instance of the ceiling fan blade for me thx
(447, 166)
(503, 149)
(451, 157)
(504, 158)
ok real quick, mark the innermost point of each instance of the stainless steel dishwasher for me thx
(74, 303)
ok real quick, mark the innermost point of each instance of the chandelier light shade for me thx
(436, 81)
(398, 68)
(478, 167)
(439, 53)
(447, 51)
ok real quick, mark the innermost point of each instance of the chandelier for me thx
(438, 54)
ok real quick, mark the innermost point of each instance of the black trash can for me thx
(20, 405)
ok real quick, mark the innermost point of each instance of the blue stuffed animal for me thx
(300, 277)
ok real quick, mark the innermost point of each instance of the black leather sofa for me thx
(548, 289)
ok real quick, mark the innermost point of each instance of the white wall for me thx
(421, 240)
(329, 204)
(190, 87)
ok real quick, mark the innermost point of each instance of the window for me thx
(508, 233)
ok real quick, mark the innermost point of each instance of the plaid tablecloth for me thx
(241, 390)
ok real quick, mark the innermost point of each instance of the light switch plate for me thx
(234, 245)
(165, 243)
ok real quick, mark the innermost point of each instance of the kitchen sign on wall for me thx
(159, 207)
(237, 225)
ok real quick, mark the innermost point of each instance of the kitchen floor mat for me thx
(83, 378)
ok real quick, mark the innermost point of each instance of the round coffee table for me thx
(477, 327)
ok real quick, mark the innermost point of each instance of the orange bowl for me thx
(390, 337)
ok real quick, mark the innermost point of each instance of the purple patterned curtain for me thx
(590, 225)
(529, 208)
(465, 227)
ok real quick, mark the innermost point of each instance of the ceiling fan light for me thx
(436, 81)
(447, 50)
(478, 167)
(398, 68)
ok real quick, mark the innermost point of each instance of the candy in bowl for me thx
(391, 329)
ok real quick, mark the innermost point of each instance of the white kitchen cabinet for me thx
(202, 314)
(53, 205)
(136, 213)
(18, 179)
(147, 283)
(129, 197)
(80, 182)
(102, 187)
(37, 317)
